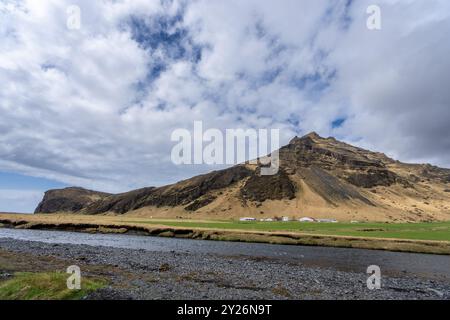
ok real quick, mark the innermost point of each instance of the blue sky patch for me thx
(13, 181)
(338, 123)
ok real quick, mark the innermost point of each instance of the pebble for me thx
(211, 276)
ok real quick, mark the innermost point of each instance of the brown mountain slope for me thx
(318, 177)
(68, 200)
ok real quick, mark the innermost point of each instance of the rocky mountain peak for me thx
(311, 137)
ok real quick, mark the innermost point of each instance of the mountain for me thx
(318, 177)
(69, 200)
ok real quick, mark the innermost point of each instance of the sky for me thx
(95, 106)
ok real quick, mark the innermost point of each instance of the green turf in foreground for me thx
(414, 231)
(45, 286)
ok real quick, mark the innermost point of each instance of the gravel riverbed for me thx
(143, 274)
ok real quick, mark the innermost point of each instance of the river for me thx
(392, 263)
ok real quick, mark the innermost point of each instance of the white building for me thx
(306, 219)
(327, 221)
(247, 219)
(285, 219)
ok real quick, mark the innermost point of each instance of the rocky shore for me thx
(141, 274)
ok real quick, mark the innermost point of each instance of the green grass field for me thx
(45, 286)
(414, 231)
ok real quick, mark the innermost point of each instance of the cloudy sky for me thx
(95, 106)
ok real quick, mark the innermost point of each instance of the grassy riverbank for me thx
(44, 286)
(25, 277)
(418, 237)
(439, 231)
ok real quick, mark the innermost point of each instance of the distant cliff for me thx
(68, 200)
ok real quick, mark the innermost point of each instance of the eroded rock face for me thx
(331, 188)
(261, 188)
(185, 192)
(68, 200)
(200, 203)
(192, 193)
(120, 203)
(373, 178)
(329, 154)
(432, 172)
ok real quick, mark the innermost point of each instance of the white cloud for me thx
(80, 106)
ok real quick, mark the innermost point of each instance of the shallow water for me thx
(357, 260)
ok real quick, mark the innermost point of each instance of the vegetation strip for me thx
(288, 238)
(45, 286)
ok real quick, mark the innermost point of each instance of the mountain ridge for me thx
(318, 177)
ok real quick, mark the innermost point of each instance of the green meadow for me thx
(414, 231)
